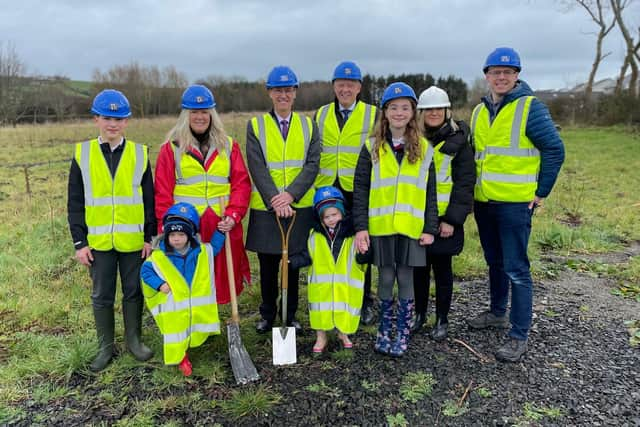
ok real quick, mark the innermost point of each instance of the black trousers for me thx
(269, 286)
(104, 271)
(443, 275)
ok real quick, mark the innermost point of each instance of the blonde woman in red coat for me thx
(199, 142)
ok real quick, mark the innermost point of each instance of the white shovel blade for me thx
(284, 348)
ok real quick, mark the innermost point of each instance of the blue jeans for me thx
(504, 230)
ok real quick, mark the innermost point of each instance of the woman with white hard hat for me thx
(455, 177)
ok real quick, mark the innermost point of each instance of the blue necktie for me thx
(345, 114)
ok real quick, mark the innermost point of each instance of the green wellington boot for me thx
(104, 328)
(132, 313)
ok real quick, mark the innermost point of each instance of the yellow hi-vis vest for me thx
(336, 288)
(444, 182)
(113, 205)
(188, 314)
(507, 162)
(284, 159)
(398, 193)
(202, 188)
(340, 149)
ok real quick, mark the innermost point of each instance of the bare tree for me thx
(598, 13)
(630, 59)
(12, 82)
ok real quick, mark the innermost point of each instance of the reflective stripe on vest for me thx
(189, 313)
(335, 287)
(507, 162)
(444, 182)
(202, 188)
(284, 159)
(114, 210)
(341, 148)
(398, 193)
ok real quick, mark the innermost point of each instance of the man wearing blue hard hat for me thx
(518, 157)
(111, 219)
(344, 126)
(283, 153)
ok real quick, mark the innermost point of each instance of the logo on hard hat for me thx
(505, 58)
(397, 90)
(284, 78)
(199, 99)
(113, 107)
(347, 70)
(183, 209)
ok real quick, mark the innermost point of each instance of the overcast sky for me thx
(248, 37)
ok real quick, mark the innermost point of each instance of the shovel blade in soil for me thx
(284, 346)
(243, 368)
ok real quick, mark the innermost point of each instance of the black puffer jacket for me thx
(463, 175)
(344, 229)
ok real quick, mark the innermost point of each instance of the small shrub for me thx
(397, 420)
(450, 408)
(416, 385)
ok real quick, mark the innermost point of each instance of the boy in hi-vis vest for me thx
(111, 219)
(336, 275)
(178, 283)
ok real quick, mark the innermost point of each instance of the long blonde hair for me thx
(411, 137)
(181, 132)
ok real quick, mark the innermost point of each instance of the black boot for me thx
(418, 322)
(104, 328)
(439, 331)
(368, 314)
(132, 313)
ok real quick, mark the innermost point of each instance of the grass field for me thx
(46, 332)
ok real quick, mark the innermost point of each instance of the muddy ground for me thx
(579, 370)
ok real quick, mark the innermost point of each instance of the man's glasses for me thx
(496, 73)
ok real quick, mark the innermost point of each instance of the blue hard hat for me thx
(198, 97)
(111, 103)
(347, 70)
(281, 76)
(502, 57)
(397, 90)
(182, 213)
(328, 197)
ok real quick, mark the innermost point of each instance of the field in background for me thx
(47, 326)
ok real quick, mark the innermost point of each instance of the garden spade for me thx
(284, 338)
(243, 369)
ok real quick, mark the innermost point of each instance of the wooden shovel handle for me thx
(235, 317)
(284, 236)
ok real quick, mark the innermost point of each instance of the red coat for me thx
(238, 204)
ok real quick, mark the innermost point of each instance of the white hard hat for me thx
(434, 97)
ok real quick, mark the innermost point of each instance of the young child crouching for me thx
(336, 275)
(178, 285)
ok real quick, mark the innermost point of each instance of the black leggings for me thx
(443, 275)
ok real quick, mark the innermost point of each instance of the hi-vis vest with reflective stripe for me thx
(335, 287)
(507, 162)
(444, 183)
(284, 159)
(199, 187)
(398, 193)
(114, 210)
(188, 314)
(340, 149)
